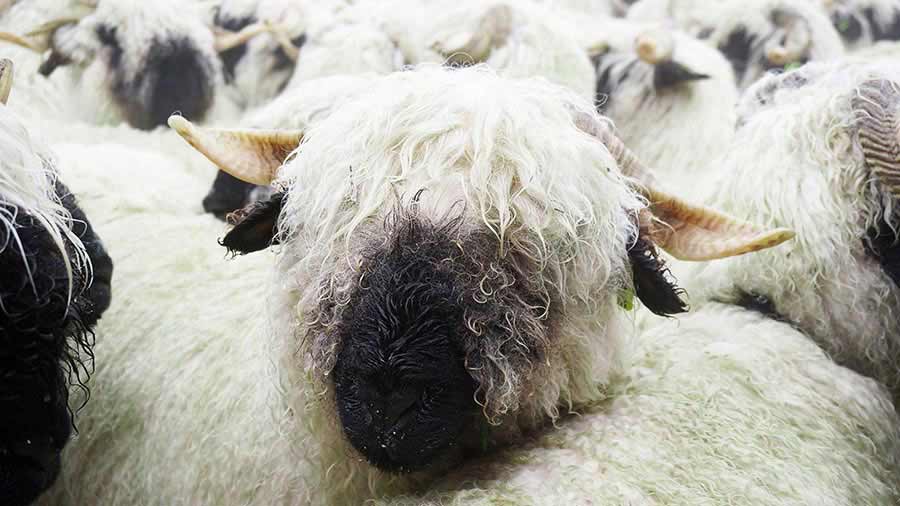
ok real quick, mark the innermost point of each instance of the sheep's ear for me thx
(250, 155)
(697, 233)
(653, 284)
(255, 226)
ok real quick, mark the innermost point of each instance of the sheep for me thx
(816, 151)
(258, 69)
(755, 36)
(123, 57)
(477, 147)
(864, 22)
(56, 279)
(652, 81)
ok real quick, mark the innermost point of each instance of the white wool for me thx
(714, 21)
(303, 104)
(720, 407)
(796, 162)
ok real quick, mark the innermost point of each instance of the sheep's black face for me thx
(229, 194)
(402, 390)
(44, 340)
(172, 75)
(617, 72)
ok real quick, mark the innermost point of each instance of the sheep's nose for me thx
(395, 411)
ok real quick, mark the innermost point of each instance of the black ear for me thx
(653, 283)
(254, 226)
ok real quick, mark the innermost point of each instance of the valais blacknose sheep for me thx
(54, 284)
(132, 60)
(652, 81)
(819, 151)
(462, 280)
(450, 274)
(754, 35)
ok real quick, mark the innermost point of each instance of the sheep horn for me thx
(655, 46)
(226, 40)
(279, 32)
(878, 105)
(253, 156)
(797, 39)
(493, 30)
(6, 79)
(685, 231)
(21, 41)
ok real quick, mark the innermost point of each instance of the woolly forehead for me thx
(507, 150)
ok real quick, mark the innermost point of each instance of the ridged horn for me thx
(686, 231)
(492, 31)
(250, 155)
(6, 79)
(877, 103)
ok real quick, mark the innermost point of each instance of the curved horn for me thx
(878, 105)
(280, 34)
(654, 46)
(21, 42)
(492, 31)
(686, 231)
(253, 156)
(6, 79)
(796, 42)
(226, 40)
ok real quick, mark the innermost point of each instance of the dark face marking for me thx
(882, 244)
(847, 25)
(176, 76)
(231, 57)
(45, 344)
(282, 61)
(737, 48)
(612, 70)
(653, 284)
(760, 304)
(227, 195)
(671, 73)
(888, 31)
(402, 391)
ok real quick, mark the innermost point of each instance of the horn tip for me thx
(180, 124)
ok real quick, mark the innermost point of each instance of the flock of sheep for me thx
(477, 252)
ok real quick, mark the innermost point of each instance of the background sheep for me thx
(55, 285)
(755, 36)
(259, 68)
(864, 22)
(806, 157)
(651, 82)
(275, 425)
(123, 57)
